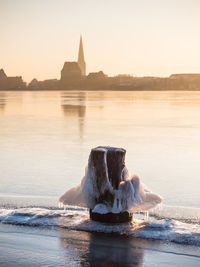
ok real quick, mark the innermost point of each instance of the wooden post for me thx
(108, 163)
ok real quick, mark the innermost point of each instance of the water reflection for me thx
(73, 110)
(99, 249)
(11, 102)
(112, 250)
(77, 109)
(2, 102)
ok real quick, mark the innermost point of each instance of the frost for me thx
(132, 195)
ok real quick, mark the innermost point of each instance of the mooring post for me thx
(108, 164)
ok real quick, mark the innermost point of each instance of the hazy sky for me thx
(139, 37)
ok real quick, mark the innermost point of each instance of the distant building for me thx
(81, 60)
(96, 76)
(70, 75)
(34, 84)
(186, 81)
(186, 76)
(70, 72)
(73, 73)
(3, 76)
(50, 84)
(123, 79)
(10, 83)
(96, 81)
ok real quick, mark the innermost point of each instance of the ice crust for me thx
(132, 195)
(75, 218)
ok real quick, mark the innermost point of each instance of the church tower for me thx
(81, 60)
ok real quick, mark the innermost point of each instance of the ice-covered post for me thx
(107, 189)
(108, 164)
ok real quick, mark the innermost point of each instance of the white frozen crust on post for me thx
(132, 195)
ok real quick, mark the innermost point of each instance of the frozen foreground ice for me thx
(38, 234)
(31, 246)
(104, 194)
(183, 228)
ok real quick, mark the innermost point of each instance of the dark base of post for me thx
(121, 217)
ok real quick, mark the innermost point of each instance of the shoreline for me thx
(100, 90)
(38, 246)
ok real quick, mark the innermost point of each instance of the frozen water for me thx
(78, 219)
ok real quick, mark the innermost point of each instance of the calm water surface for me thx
(46, 137)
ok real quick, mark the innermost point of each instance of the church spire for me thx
(81, 60)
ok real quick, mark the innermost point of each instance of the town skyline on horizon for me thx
(139, 38)
(82, 65)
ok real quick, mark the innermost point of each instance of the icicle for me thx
(146, 215)
(120, 205)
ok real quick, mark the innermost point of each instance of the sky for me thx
(137, 37)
